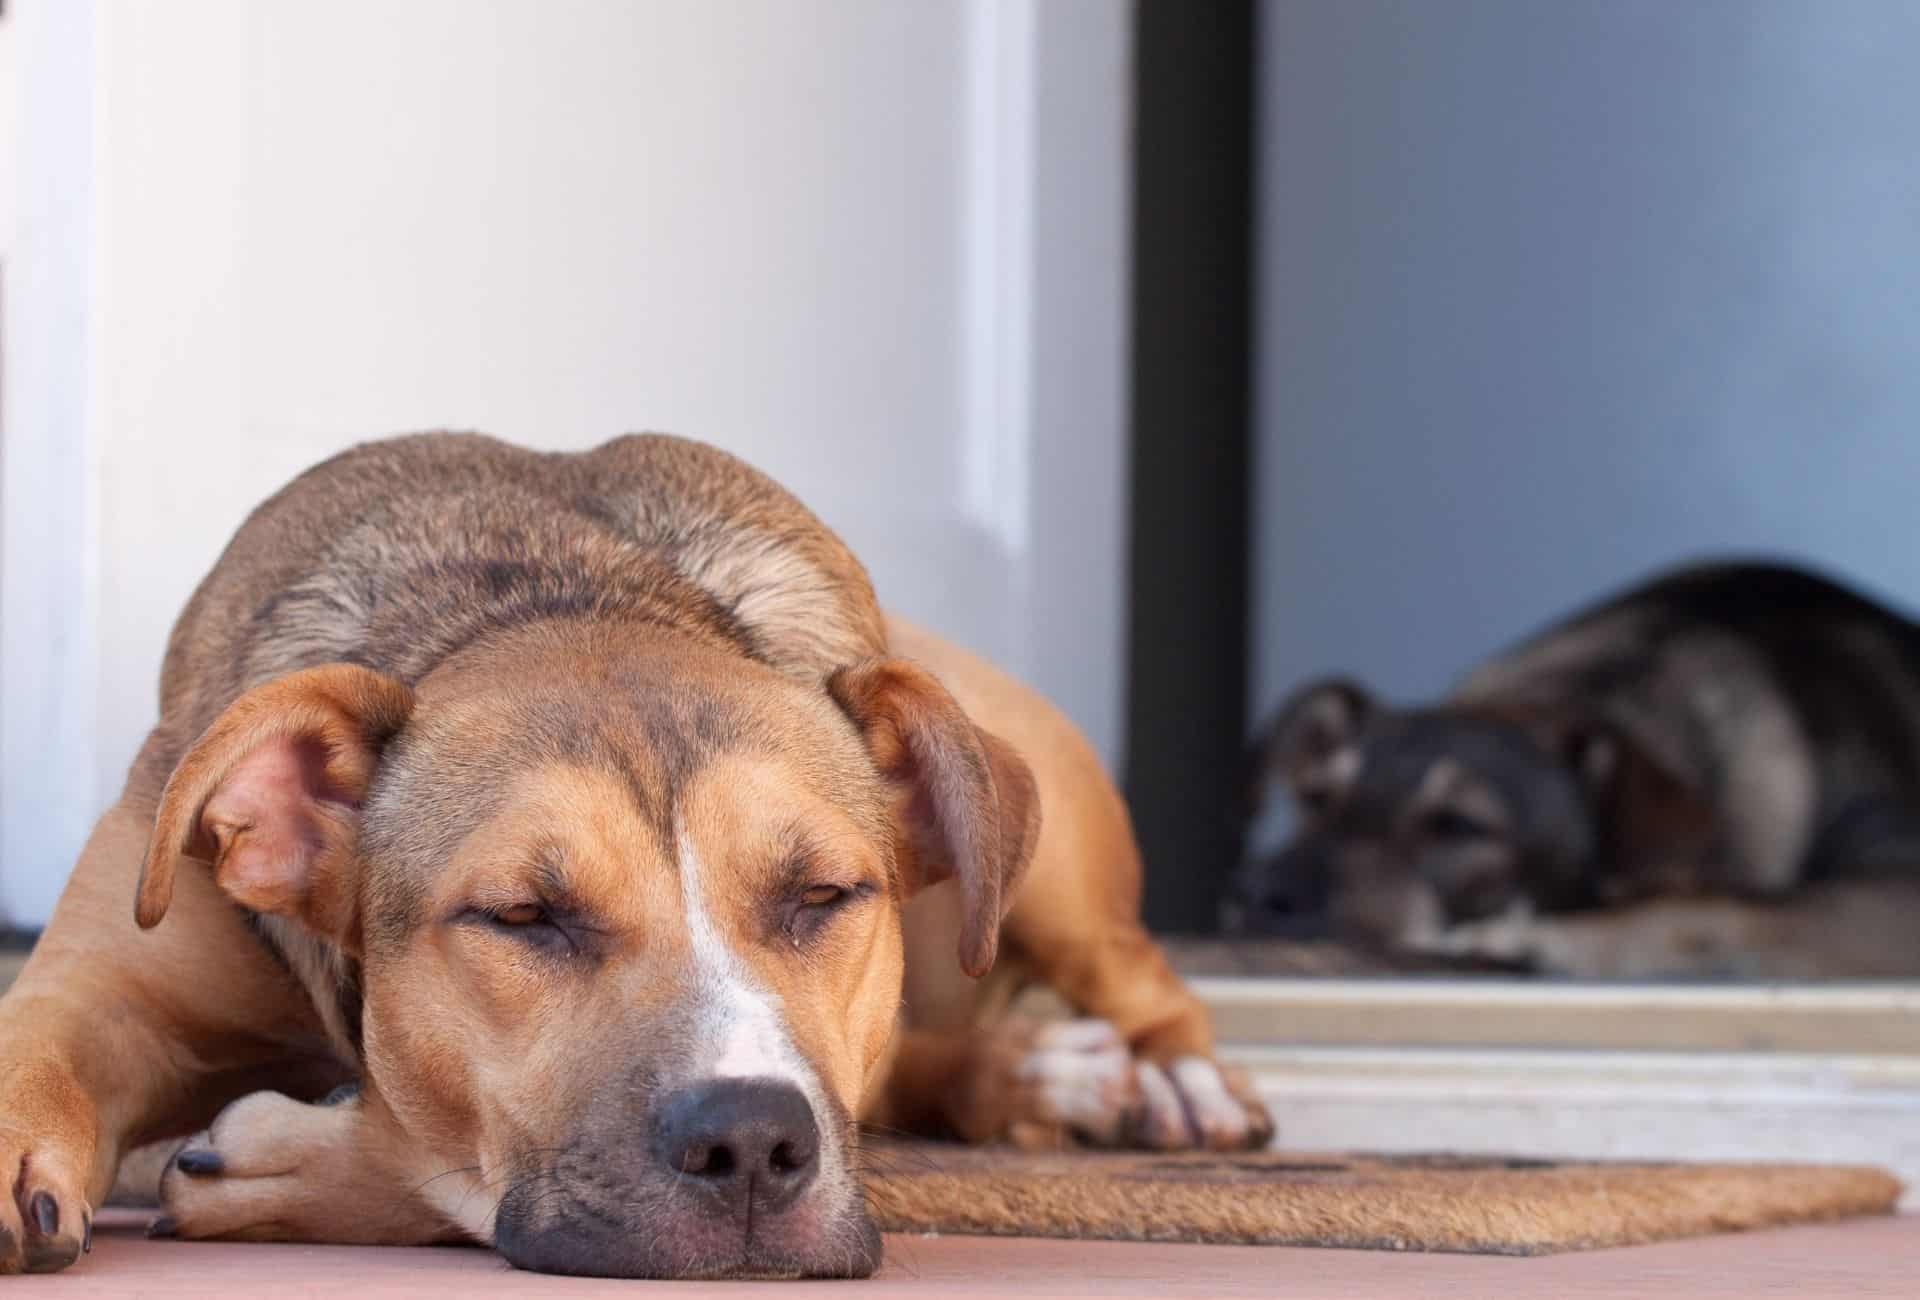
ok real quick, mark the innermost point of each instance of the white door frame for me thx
(47, 569)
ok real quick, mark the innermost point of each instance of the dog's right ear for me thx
(270, 795)
(1312, 745)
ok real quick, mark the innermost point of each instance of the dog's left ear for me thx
(968, 807)
(270, 795)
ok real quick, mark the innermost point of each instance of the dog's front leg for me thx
(275, 1169)
(111, 1037)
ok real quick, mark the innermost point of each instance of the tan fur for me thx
(1074, 926)
(438, 679)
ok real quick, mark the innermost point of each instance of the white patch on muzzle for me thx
(740, 1033)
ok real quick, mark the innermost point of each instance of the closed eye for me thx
(814, 907)
(528, 923)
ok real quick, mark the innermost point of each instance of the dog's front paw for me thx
(1075, 1075)
(265, 1171)
(47, 1128)
(275, 1169)
(45, 1220)
(1082, 1076)
(1193, 1101)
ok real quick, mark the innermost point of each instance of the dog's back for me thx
(1789, 702)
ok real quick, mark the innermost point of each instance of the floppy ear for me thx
(1312, 744)
(270, 795)
(968, 808)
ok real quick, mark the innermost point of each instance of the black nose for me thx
(752, 1142)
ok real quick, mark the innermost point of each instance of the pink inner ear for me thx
(274, 818)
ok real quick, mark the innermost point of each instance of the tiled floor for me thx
(1866, 1258)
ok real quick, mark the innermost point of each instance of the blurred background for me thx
(1168, 353)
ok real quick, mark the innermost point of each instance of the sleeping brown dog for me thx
(572, 806)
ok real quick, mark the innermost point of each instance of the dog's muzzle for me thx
(726, 1177)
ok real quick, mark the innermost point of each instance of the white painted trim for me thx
(1372, 993)
(1596, 1105)
(1858, 1018)
(48, 558)
(998, 268)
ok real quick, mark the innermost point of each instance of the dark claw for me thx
(164, 1226)
(200, 1162)
(46, 1214)
(86, 1234)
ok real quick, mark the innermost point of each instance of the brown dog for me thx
(572, 804)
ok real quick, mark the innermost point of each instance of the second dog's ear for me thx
(270, 795)
(1312, 745)
(968, 807)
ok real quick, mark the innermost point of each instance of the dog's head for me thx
(1411, 821)
(627, 923)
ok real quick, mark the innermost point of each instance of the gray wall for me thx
(1555, 293)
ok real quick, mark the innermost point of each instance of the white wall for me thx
(9, 136)
(48, 687)
(809, 232)
(1555, 294)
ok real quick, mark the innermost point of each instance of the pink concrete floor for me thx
(1864, 1258)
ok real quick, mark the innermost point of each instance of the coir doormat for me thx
(1474, 1204)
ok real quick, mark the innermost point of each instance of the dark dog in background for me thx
(1715, 772)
